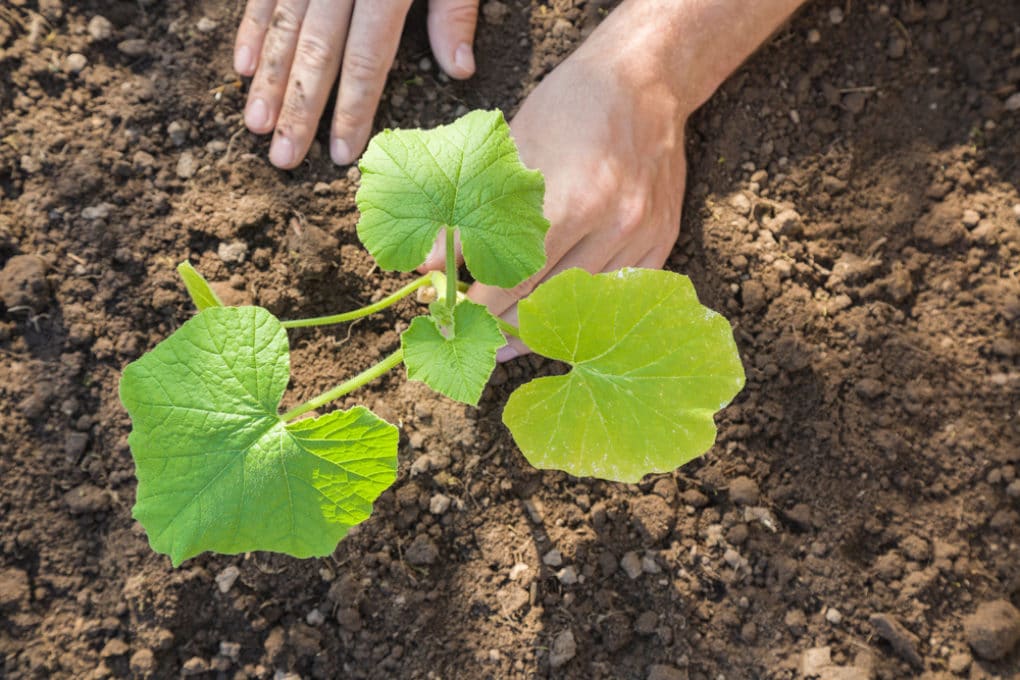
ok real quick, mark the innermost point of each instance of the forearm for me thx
(688, 47)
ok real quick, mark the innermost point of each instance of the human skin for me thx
(606, 128)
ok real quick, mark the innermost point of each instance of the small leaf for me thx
(458, 366)
(217, 467)
(466, 175)
(651, 366)
(198, 288)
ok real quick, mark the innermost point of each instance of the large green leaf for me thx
(457, 365)
(217, 467)
(651, 366)
(467, 176)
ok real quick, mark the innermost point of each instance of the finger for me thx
(452, 34)
(514, 347)
(589, 253)
(274, 64)
(250, 33)
(368, 55)
(436, 259)
(312, 76)
(657, 256)
(637, 252)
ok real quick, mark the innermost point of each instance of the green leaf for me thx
(217, 467)
(651, 366)
(198, 288)
(466, 175)
(458, 366)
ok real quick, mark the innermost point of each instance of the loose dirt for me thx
(853, 207)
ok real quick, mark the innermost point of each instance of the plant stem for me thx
(387, 301)
(507, 328)
(451, 269)
(366, 376)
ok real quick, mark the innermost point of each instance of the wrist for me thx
(684, 49)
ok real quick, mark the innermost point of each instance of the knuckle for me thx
(631, 218)
(314, 53)
(363, 68)
(464, 14)
(295, 111)
(285, 20)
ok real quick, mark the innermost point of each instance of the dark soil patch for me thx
(879, 327)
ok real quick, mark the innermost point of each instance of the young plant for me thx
(220, 468)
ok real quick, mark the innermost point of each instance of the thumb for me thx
(452, 34)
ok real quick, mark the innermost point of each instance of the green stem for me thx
(387, 301)
(366, 376)
(451, 269)
(507, 328)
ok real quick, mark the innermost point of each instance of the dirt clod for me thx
(23, 282)
(993, 630)
(652, 517)
(14, 587)
(903, 642)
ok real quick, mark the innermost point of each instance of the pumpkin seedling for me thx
(220, 468)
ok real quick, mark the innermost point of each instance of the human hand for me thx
(296, 48)
(611, 149)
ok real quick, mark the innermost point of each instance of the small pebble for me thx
(553, 558)
(187, 166)
(232, 252)
(178, 132)
(567, 575)
(971, 218)
(835, 16)
(1013, 102)
(206, 25)
(100, 28)
(631, 564)
(315, 618)
(814, 36)
(75, 62)
(833, 616)
(439, 504)
(226, 579)
(563, 649)
(135, 47)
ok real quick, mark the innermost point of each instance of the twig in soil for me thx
(350, 329)
(902, 29)
(230, 145)
(862, 88)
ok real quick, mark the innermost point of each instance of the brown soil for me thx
(863, 494)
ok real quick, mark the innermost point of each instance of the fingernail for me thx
(464, 59)
(244, 60)
(506, 353)
(341, 152)
(281, 153)
(257, 115)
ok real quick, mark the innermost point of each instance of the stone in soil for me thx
(993, 630)
(631, 564)
(100, 28)
(563, 649)
(23, 282)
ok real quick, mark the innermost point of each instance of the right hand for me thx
(296, 49)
